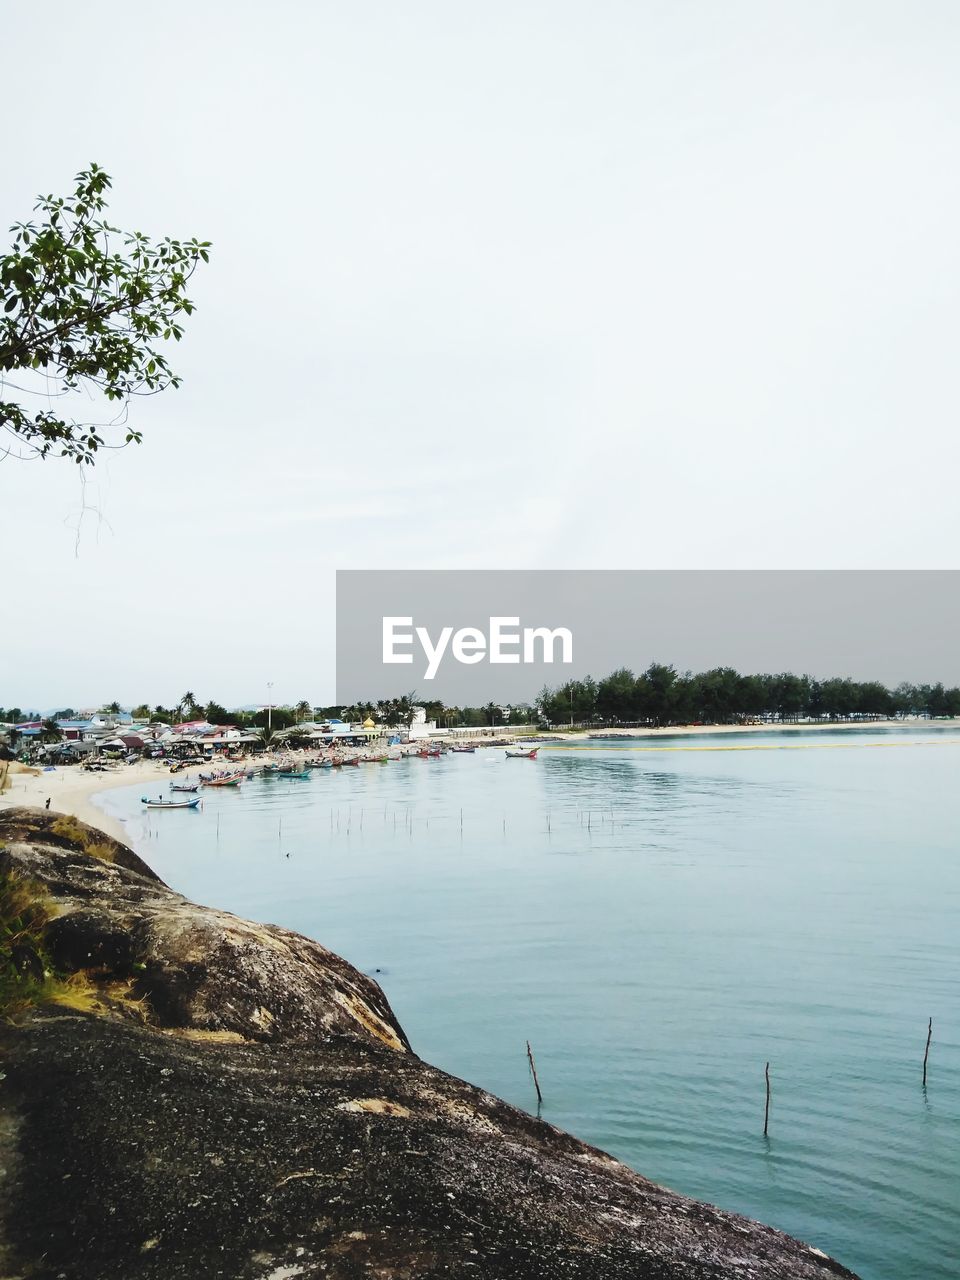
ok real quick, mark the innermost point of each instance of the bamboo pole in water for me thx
(766, 1110)
(533, 1072)
(926, 1052)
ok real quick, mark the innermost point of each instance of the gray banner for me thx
(468, 638)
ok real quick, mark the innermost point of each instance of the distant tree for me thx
(49, 731)
(67, 713)
(656, 693)
(279, 717)
(85, 308)
(616, 696)
(189, 707)
(142, 710)
(216, 714)
(112, 708)
(936, 701)
(303, 710)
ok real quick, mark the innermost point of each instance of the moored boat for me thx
(184, 786)
(522, 755)
(160, 803)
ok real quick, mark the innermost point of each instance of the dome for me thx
(369, 724)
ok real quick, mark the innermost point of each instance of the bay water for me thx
(659, 919)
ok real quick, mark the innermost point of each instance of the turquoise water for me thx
(659, 924)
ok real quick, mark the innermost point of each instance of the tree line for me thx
(661, 695)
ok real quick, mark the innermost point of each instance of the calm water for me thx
(658, 923)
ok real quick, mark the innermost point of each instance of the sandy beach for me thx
(71, 790)
(680, 731)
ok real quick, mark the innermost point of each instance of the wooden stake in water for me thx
(533, 1072)
(766, 1110)
(926, 1052)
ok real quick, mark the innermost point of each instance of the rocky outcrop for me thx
(215, 1098)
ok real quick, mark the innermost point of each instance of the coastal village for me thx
(98, 737)
(61, 763)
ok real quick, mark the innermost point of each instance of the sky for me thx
(542, 285)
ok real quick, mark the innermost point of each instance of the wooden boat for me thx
(184, 786)
(160, 803)
(523, 755)
(463, 750)
(355, 760)
(293, 773)
(429, 753)
(233, 781)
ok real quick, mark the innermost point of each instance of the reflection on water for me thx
(658, 924)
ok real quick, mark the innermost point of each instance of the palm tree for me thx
(303, 710)
(187, 704)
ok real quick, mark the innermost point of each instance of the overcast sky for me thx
(526, 285)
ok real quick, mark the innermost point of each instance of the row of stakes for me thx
(530, 1058)
(766, 1074)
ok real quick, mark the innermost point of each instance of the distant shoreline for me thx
(691, 730)
(75, 792)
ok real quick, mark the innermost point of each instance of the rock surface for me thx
(232, 1100)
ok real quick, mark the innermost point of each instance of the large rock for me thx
(223, 1099)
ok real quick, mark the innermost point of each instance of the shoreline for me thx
(694, 730)
(73, 792)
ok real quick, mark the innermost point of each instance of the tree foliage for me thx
(86, 307)
(662, 696)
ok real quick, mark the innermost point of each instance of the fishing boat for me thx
(463, 750)
(293, 773)
(429, 753)
(184, 786)
(233, 781)
(523, 755)
(160, 803)
(355, 760)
